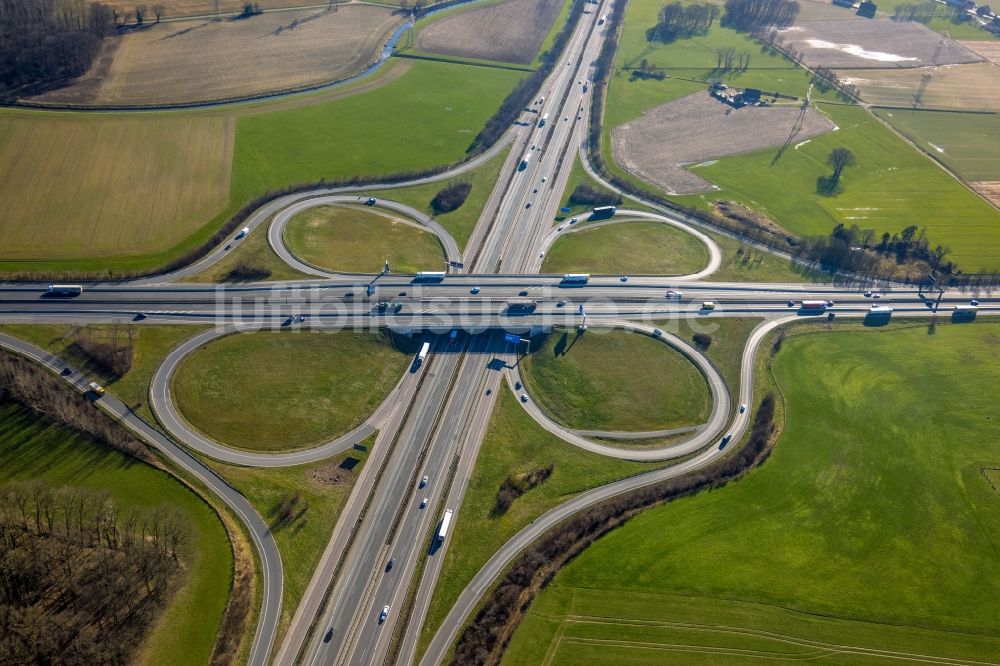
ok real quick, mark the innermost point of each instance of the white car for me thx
(974, 301)
(384, 614)
(876, 295)
(657, 332)
(868, 294)
(543, 179)
(243, 232)
(573, 220)
(561, 304)
(560, 228)
(423, 503)
(624, 278)
(423, 482)
(524, 397)
(474, 290)
(743, 407)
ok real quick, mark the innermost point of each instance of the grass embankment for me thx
(743, 263)
(150, 345)
(253, 251)
(579, 176)
(727, 336)
(871, 524)
(892, 186)
(279, 391)
(614, 380)
(188, 172)
(461, 221)
(185, 633)
(301, 505)
(359, 240)
(514, 444)
(639, 247)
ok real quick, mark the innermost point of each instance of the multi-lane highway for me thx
(433, 422)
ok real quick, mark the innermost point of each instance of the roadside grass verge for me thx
(280, 391)
(639, 247)
(870, 525)
(745, 263)
(514, 444)
(253, 251)
(301, 527)
(614, 380)
(461, 221)
(727, 335)
(150, 345)
(186, 631)
(359, 240)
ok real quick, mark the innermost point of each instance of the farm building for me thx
(867, 9)
(844, 3)
(735, 97)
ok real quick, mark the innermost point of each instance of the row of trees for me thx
(585, 195)
(30, 386)
(484, 640)
(81, 580)
(755, 15)
(728, 59)
(44, 43)
(677, 21)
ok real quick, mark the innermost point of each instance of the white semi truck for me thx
(445, 524)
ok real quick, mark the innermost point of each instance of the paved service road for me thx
(260, 534)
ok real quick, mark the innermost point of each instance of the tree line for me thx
(81, 580)
(45, 43)
(486, 638)
(585, 195)
(28, 385)
(755, 15)
(676, 21)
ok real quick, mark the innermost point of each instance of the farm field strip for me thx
(960, 87)
(509, 31)
(206, 60)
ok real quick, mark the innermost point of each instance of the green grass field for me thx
(184, 173)
(871, 526)
(643, 248)
(892, 187)
(426, 117)
(359, 240)
(272, 391)
(729, 336)
(253, 250)
(461, 221)
(323, 489)
(968, 143)
(514, 444)
(614, 380)
(150, 345)
(186, 632)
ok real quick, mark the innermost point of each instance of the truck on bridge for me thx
(429, 276)
(815, 306)
(576, 278)
(445, 524)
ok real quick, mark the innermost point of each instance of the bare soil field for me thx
(192, 61)
(510, 31)
(698, 128)
(987, 49)
(864, 43)
(175, 169)
(989, 190)
(961, 87)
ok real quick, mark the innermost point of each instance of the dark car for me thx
(390, 563)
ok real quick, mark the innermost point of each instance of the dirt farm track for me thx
(511, 31)
(197, 60)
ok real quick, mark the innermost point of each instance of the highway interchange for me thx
(434, 421)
